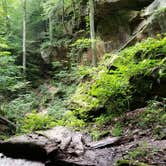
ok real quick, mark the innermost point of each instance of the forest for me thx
(82, 82)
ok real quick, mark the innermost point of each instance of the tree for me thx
(92, 33)
(5, 9)
(24, 34)
(63, 17)
(50, 28)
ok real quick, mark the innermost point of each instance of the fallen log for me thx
(6, 122)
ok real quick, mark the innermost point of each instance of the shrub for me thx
(70, 120)
(154, 115)
(35, 121)
(117, 130)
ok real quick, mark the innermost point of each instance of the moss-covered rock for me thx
(139, 74)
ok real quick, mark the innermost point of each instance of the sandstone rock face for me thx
(120, 4)
(157, 4)
(123, 22)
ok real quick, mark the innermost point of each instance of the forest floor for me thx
(134, 147)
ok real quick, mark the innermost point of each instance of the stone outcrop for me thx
(59, 145)
(128, 4)
(124, 22)
(63, 147)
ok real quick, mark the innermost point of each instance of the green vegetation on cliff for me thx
(124, 82)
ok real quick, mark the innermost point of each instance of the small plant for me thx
(70, 120)
(10, 74)
(137, 153)
(82, 43)
(140, 152)
(154, 114)
(117, 130)
(35, 121)
(97, 134)
(103, 119)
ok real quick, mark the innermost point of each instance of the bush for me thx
(117, 130)
(35, 121)
(70, 120)
(154, 115)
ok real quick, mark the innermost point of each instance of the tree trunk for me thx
(74, 14)
(24, 35)
(50, 28)
(92, 33)
(63, 17)
(4, 121)
(5, 9)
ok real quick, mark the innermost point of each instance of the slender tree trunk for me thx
(74, 13)
(24, 35)
(5, 9)
(63, 17)
(79, 4)
(92, 33)
(50, 28)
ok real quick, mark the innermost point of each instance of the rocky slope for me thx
(61, 146)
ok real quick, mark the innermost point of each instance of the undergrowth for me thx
(117, 85)
(122, 82)
(112, 88)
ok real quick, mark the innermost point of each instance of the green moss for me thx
(97, 134)
(129, 163)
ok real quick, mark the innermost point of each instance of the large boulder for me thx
(60, 146)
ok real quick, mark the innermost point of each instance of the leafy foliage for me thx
(16, 109)
(35, 121)
(117, 130)
(115, 88)
(10, 73)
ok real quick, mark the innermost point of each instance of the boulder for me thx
(63, 147)
(59, 145)
(6, 161)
